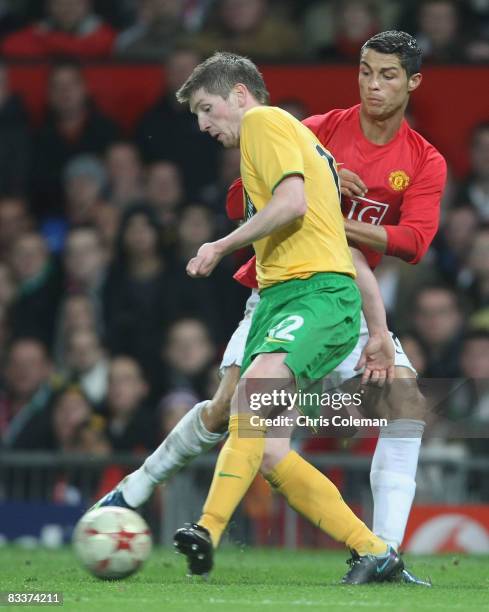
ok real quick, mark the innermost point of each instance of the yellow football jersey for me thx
(275, 145)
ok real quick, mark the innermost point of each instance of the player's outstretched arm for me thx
(378, 355)
(287, 204)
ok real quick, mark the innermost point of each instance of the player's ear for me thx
(240, 92)
(414, 81)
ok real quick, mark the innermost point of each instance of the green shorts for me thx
(315, 320)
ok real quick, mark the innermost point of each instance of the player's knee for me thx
(220, 412)
(405, 399)
(215, 415)
(267, 464)
(275, 450)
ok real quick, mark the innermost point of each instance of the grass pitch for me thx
(247, 580)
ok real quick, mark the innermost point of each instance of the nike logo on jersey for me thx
(226, 475)
(364, 209)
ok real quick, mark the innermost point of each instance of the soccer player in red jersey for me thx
(391, 181)
(392, 209)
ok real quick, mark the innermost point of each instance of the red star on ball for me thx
(124, 539)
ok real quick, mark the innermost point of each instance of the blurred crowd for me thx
(275, 30)
(98, 318)
(105, 342)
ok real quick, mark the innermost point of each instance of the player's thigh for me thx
(269, 366)
(261, 385)
(401, 399)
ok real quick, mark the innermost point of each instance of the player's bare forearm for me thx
(377, 358)
(372, 303)
(287, 204)
(366, 234)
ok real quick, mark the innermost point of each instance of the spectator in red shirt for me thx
(70, 29)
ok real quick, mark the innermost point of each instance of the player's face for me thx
(220, 118)
(384, 84)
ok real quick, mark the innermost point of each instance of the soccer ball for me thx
(111, 542)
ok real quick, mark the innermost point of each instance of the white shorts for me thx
(234, 353)
(346, 369)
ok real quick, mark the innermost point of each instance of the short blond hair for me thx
(218, 74)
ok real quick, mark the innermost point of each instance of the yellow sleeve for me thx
(269, 146)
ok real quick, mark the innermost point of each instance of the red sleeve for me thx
(420, 212)
(235, 201)
(246, 275)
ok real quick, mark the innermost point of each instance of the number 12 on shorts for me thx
(282, 331)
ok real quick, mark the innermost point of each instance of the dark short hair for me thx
(395, 42)
(218, 74)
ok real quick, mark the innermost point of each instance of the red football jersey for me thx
(405, 180)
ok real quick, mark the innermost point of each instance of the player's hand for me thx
(351, 184)
(207, 258)
(378, 360)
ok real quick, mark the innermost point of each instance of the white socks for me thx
(392, 477)
(188, 439)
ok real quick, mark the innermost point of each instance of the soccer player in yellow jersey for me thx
(307, 320)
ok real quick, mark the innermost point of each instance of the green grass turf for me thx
(247, 580)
